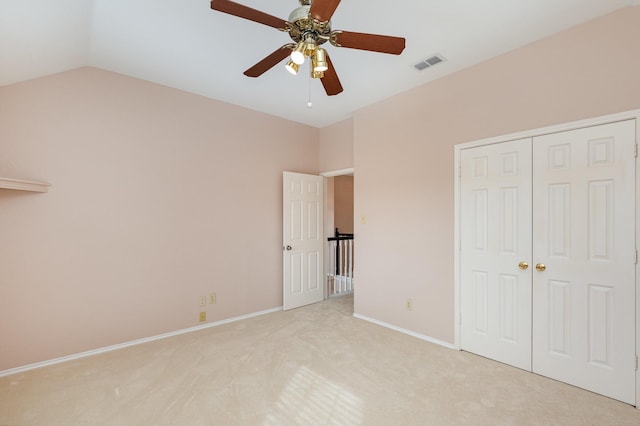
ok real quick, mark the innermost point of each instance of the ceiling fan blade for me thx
(269, 62)
(322, 10)
(245, 12)
(371, 42)
(330, 81)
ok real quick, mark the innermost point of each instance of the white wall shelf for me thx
(23, 185)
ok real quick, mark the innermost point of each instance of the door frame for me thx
(595, 121)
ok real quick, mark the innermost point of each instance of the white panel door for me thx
(495, 188)
(584, 227)
(302, 213)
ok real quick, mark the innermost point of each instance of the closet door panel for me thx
(496, 237)
(583, 234)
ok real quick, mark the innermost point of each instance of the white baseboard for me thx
(133, 343)
(409, 332)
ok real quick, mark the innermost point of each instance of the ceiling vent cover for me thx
(429, 62)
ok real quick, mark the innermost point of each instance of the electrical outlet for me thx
(203, 300)
(409, 305)
(203, 316)
(212, 298)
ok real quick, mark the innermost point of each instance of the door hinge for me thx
(636, 256)
(636, 150)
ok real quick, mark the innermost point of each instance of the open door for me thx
(303, 237)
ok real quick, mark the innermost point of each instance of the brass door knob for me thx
(523, 265)
(540, 267)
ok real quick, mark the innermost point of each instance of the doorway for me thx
(339, 237)
(317, 254)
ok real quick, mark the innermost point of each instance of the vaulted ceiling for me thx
(186, 45)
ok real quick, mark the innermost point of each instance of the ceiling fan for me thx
(309, 26)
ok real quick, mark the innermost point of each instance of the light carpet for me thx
(316, 365)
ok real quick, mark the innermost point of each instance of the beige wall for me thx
(158, 197)
(404, 156)
(329, 208)
(343, 204)
(336, 146)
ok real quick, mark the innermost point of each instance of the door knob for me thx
(523, 265)
(540, 267)
(288, 248)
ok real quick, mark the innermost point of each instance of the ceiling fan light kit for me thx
(319, 60)
(309, 26)
(298, 54)
(292, 67)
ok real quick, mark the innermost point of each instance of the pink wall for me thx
(343, 203)
(336, 146)
(158, 197)
(329, 207)
(404, 156)
(338, 205)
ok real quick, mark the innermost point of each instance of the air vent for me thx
(429, 62)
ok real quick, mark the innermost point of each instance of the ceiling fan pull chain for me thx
(310, 104)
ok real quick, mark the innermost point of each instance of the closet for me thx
(547, 255)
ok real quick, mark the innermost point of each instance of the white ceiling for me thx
(186, 45)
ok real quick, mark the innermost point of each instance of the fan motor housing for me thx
(299, 13)
(303, 26)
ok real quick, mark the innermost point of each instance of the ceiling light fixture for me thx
(310, 46)
(298, 54)
(310, 49)
(319, 60)
(292, 67)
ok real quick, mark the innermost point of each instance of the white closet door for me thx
(495, 293)
(583, 233)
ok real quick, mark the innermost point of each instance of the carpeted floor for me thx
(315, 365)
